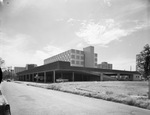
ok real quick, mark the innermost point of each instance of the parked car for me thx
(4, 106)
(8, 80)
(61, 80)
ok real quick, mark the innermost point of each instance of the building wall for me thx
(136, 77)
(77, 58)
(19, 69)
(89, 56)
(30, 66)
(86, 58)
(105, 65)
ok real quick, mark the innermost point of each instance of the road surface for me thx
(29, 100)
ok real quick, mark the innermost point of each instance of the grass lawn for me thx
(128, 92)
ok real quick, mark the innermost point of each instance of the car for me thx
(8, 80)
(4, 106)
(61, 80)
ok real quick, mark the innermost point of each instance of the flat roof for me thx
(65, 66)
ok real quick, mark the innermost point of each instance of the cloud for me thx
(121, 63)
(107, 2)
(18, 51)
(59, 19)
(102, 33)
(70, 20)
(45, 52)
(52, 50)
(1, 1)
(73, 21)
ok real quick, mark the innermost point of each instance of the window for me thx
(73, 62)
(77, 62)
(73, 56)
(82, 57)
(77, 57)
(77, 51)
(82, 63)
(95, 55)
(82, 52)
(95, 59)
(72, 51)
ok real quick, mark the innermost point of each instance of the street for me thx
(28, 100)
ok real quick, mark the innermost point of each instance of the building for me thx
(85, 58)
(105, 65)
(75, 65)
(19, 69)
(60, 69)
(30, 66)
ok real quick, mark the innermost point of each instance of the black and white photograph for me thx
(74, 57)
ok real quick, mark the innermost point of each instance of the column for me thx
(32, 77)
(44, 77)
(118, 75)
(54, 76)
(101, 77)
(61, 75)
(72, 76)
(25, 77)
(37, 78)
(18, 78)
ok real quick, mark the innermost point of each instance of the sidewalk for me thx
(32, 83)
(4, 106)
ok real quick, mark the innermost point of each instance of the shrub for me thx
(130, 101)
(108, 92)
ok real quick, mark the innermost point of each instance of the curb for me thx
(4, 106)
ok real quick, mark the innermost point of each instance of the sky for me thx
(33, 30)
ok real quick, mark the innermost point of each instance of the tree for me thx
(1, 61)
(144, 63)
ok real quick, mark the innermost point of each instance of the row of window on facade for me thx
(76, 51)
(76, 62)
(79, 57)
(79, 52)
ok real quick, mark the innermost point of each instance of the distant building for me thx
(30, 66)
(85, 58)
(105, 65)
(19, 69)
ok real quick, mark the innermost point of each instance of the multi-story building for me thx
(105, 65)
(85, 58)
(30, 66)
(19, 69)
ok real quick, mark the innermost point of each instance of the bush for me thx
(108, 92)
(130, 101)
